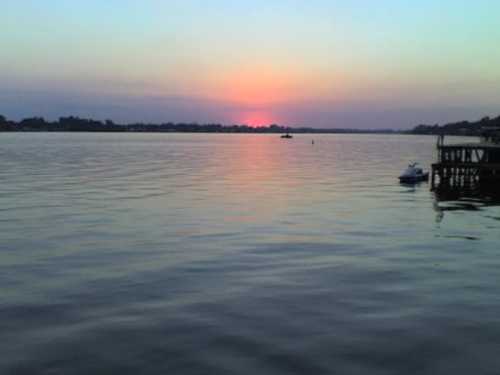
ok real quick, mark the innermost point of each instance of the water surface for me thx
(239, 254)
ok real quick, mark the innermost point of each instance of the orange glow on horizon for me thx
(260, 85)
(257, 87)
(255, 118)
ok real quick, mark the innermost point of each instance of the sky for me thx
(317, 63)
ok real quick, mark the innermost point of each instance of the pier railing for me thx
(466, 165)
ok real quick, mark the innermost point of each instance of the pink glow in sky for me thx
(319, 63)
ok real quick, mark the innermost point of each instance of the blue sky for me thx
(362, 64)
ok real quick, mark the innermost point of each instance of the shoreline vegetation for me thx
(76, 124)
(466, 128)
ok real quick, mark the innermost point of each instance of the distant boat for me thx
(287, 136)
(412, 175)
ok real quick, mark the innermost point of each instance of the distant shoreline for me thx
(76, 124)
(295, 132)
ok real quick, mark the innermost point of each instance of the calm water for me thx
(239, 254)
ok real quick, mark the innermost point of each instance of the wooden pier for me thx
(466, 166)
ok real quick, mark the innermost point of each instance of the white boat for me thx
(412, 174)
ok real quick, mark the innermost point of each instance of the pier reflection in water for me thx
(465, 199)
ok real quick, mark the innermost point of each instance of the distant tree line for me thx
(474, 128)
(76, 124)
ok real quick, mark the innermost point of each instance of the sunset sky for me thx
(318, 63)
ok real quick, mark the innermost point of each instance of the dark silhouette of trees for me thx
(6, 125)
(77, 124)
(459, 128)
(34, 123)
